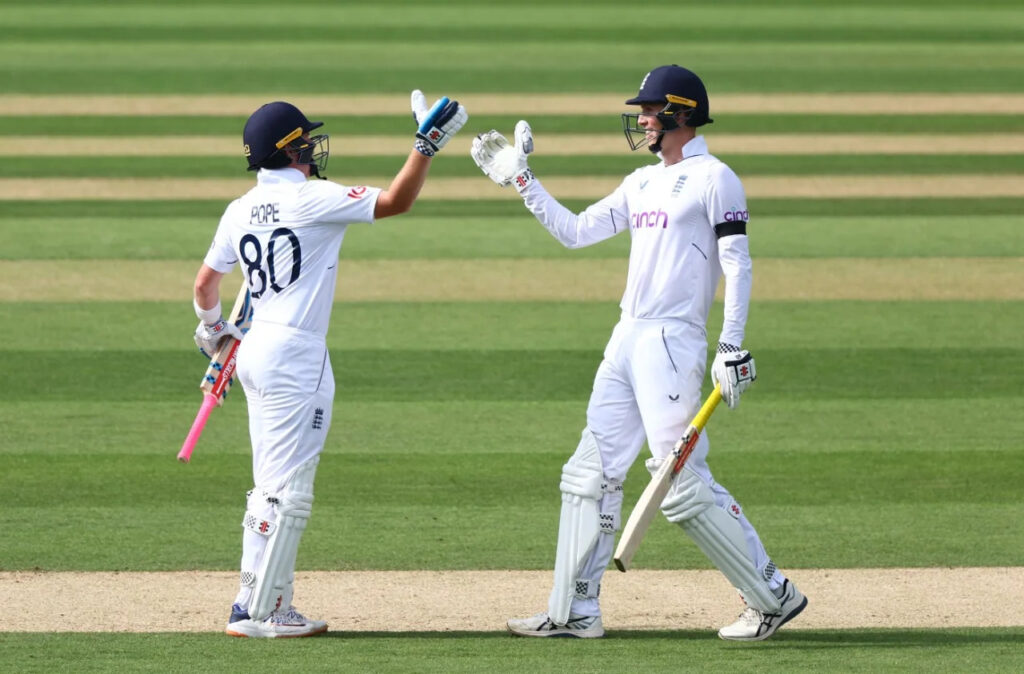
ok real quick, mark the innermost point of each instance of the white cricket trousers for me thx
(649, 386)
(289, 386)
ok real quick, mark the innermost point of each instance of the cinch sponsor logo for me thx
(737, 216)
(657, 218)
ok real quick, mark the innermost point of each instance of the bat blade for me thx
(649, 503)
(219, 375)
(643, 514)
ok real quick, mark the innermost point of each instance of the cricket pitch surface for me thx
(473, 601)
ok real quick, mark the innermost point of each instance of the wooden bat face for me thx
(649, 503)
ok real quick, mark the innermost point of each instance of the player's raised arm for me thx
(506, 164)
(435, 127)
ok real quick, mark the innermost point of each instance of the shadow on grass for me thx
(895, 638)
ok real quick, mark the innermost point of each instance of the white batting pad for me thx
(274, 577)
(579, 525)
(691, 504)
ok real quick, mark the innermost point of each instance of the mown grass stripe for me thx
(531, 280)
(135, 237)
(553, 145)
(611, 32)
(542, 325)
(600, 123)
(414, 375)
(547, 166)
(433, 65)
(357, 104)
(207, 210)
(594, 187)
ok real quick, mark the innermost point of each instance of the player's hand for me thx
(437, 125)
(208, 337)
(734, 370)
(503, 163)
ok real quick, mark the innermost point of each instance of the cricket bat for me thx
(219, 375)
(649, 503)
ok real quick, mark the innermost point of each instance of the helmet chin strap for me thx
(655, 147)
(668, 123)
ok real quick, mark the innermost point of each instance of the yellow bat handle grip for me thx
(708, 407)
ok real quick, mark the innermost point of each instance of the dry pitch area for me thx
(441, 601)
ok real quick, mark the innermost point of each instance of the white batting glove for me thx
(209, 335)
(734, 370)
(436, 125)
(503, 163)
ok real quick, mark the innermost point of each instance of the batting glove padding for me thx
(503, 163)
(209, 336)
(734, 370)
(436, 125)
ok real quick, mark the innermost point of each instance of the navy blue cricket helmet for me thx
(678, 90)
(280, 126)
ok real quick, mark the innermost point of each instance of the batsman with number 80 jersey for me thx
(285, 234)
(686, 216)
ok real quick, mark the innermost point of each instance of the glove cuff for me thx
(424, 148)
(208, 316)
(523, 179)
(727, 348)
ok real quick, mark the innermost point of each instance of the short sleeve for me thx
(221, 255)
(726, 200)
(340, 204)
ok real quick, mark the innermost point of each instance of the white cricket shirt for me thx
(286, 233)
(676, 258)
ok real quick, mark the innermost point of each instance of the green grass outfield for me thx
(884, 432)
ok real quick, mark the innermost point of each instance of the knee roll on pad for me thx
(580, 523)
(691, 504)
(293, 506)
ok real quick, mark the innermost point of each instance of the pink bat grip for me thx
(209, 402)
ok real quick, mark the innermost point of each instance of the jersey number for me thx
(254, 272)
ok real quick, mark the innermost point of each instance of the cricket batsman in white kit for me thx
(286, 233)
(687, 218)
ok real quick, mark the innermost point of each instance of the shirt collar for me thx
(697, 145)
(279, 176)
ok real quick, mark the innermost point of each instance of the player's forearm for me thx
(572, 230)
(206, 290)
(405, 188)
(737, 268)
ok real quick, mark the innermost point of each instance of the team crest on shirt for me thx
(678, 186)
(357, 192)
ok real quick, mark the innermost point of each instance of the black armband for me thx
(724, 229)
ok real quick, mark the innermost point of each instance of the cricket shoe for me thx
(540, 625)
(279, 624)
(753, 625)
